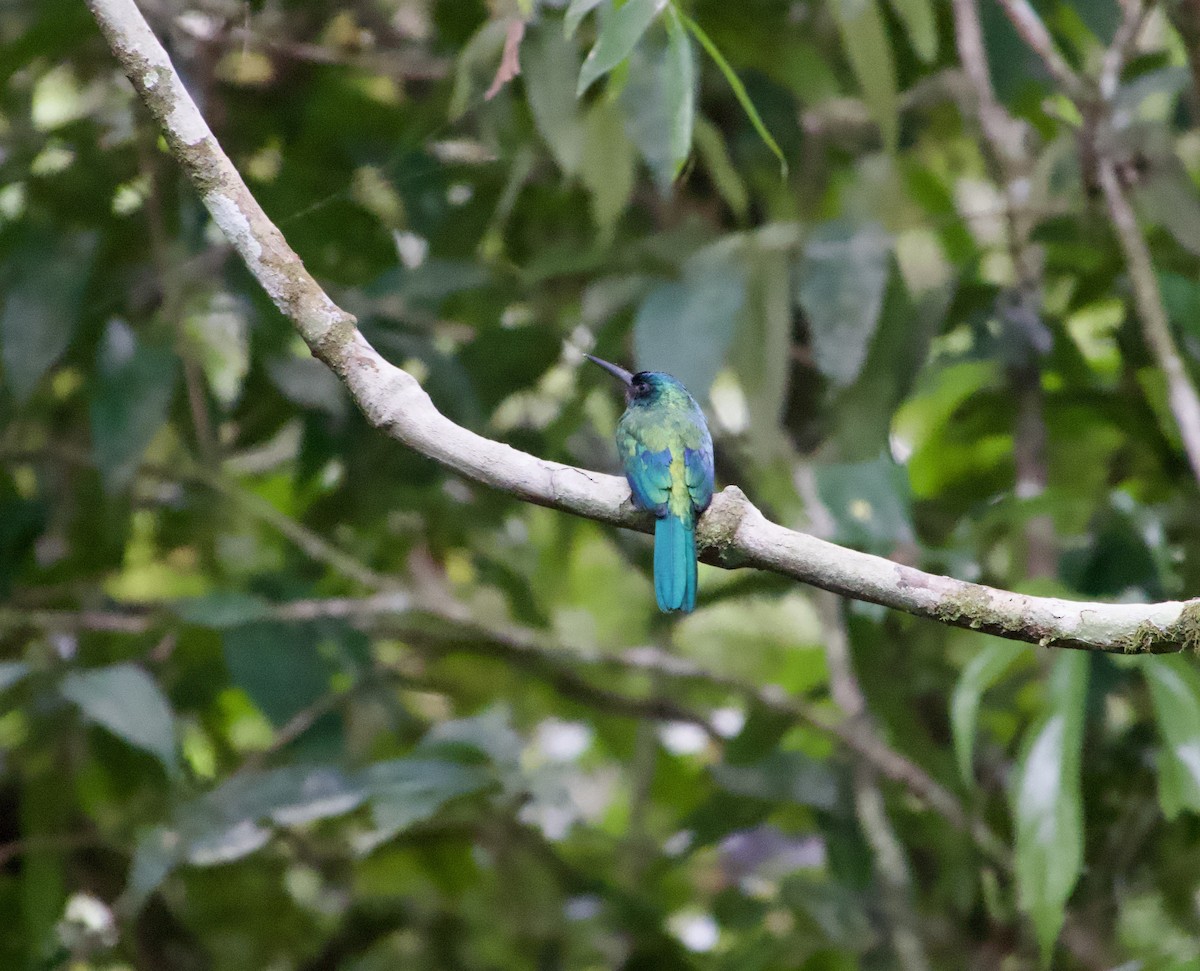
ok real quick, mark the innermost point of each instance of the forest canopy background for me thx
(278, 692)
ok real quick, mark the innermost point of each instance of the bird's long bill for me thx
(617, 372)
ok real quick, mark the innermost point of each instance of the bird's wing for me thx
(648, 472)
(698, 474)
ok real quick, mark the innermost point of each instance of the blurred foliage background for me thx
(277, 693)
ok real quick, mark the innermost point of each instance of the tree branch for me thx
(734, 533)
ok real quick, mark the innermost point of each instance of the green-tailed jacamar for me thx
(668, 456)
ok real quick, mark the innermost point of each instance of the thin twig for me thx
(1033, 31)
(1133, 16)
(1147, 299)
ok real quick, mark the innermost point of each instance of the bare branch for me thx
(733, 531)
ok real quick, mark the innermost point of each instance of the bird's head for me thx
(644, 387)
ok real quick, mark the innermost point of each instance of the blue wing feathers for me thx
(649, 477)
(698, 474)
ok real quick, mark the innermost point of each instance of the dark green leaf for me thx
(841, 284)
(788, 777)
(220, 610)
(679, 91)
(619, 34)
(132, 392)
(277, 665)
(43, 291)
(739, 91)
(656, 109)
(126, 701)
(686, 328)
(869, 502)
(409, 791)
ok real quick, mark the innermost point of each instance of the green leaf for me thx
(686, 327)
(476, 66)
(840, 286)
(235, 819)
(577, 10)
(621, 31)
(920, 23)
(1175, 693)
(658, 109)
(221, 610)
(550, 64)
(710, 144)
(865, 39)
(680, 91)
(1168, 197)
(869, 502)
(126, 701)
(789, 777)
(409, 791)
(658, 102)
(1047, 803)
(278, 665)
(739, 91)
(987, 667)
(608, 166)
(761, 354)
(218, 336)
(42, 294)
(132, 392)
(12, 672)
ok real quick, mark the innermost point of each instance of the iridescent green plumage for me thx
(666, 449)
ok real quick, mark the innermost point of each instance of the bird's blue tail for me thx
(675, 564)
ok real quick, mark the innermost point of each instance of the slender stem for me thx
(1033, 31)
(1147, 299)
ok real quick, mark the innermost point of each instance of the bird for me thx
(667, 452)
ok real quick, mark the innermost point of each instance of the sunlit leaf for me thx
(619, 33)
(126, 701)
(920, 22)
(988, 666)
(1175, 692)
(1047, 802)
